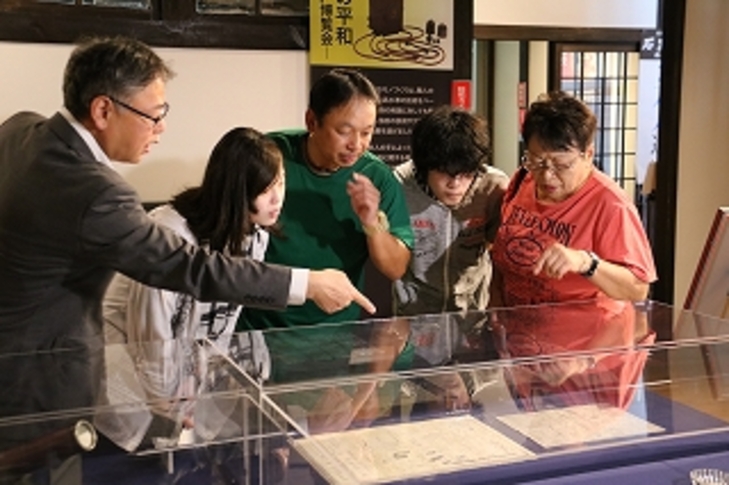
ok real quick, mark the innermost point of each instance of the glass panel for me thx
(592, 64)
(226, 6)
(633, 59)
(569, 69)
(609, 162)
(629, 162)
(631, 90)
(629, 187)
(631, 116)
(285, 7)
(268, 7)
(591, 95)
(630, 140)
(499, 396)
(136, 4)
(614, 90)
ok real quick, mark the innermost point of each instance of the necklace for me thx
(310, 164)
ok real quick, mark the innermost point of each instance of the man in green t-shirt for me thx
(343, 204)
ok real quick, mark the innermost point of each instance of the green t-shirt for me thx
(320, 229)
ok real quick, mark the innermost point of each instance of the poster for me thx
(390, 34)
(404, 98)
(405, 47)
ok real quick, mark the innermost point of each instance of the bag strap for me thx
(515, 183)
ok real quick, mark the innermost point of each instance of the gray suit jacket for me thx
(67, 222)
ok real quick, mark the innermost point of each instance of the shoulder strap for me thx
(515, 183)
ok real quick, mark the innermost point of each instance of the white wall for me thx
(214, 90)
(505, 140)
(218, 89)
(630, 14)
(703, 174)
(538, 68)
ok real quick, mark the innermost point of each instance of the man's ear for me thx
(99, 112)
(311, 122)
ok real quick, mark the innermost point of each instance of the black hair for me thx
(242, 165)
(450, 140)
(560, 122)
(115, 66)
(337, 87)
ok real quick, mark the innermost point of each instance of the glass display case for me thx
(581, 391)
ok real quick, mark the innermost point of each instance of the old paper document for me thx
(408, 450)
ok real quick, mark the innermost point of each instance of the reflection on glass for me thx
(285, 7)
(226, 6)
(599, 356)
(137, 4)
(268, 7)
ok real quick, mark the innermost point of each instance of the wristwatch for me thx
(595, 260)
(382, 225)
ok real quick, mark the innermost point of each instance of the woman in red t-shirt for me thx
(568, 231)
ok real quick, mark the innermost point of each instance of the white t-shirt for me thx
(153, 361)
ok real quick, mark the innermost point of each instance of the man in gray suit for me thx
(68, 221)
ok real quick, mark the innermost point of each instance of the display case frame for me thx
(518, 395)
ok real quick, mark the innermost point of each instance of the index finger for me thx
(539, 265)
(364, 302)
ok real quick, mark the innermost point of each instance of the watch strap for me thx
(382, 225)
(594, 262)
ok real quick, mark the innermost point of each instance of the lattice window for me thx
(607, 81)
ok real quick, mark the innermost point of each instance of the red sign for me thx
(461, 94)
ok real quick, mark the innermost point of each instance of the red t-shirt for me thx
(598, 217)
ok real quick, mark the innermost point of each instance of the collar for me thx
(87, 137)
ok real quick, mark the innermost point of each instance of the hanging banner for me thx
(386, 34)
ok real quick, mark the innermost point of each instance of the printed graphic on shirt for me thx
(220, 316)
(524, 236)
(472, 233)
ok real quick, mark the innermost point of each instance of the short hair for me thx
(338, 87)
(243, 164)
(450, 140)
(560, 121)
(114, 66)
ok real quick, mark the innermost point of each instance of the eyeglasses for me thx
(558, 163)
(153, 119)
(459, 177)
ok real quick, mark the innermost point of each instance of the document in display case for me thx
(396, 452)
(503, 396)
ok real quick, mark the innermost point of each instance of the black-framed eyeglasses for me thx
(153, 119)
(556, 163)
